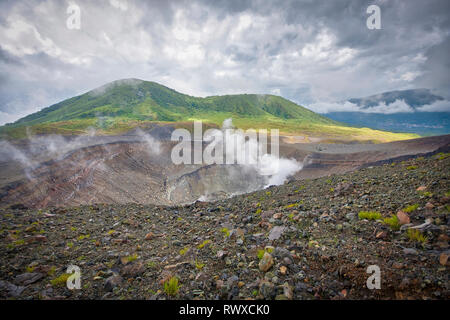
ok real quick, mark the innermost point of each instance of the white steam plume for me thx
(248, 151)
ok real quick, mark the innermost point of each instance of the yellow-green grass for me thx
(326, 132)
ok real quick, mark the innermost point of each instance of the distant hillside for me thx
(414, 98)
(124, 104)
(426, 113)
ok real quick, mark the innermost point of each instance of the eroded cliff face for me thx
(125, 170)
(112, 173)
(122, 172)
(214, 182)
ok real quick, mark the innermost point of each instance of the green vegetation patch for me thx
(370, 215)
(392, 222)
(171, 286)
(410, 208)
(416, 236)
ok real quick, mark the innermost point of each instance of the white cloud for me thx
(409, 76)
(437, 106)
(119, 4)
(326, 107)
(398, 106)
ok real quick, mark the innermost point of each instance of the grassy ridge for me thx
(124, 104)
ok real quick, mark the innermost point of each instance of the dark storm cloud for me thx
(436, 69)
(308, 51)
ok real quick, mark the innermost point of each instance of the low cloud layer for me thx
(398, 106)
(307, 51)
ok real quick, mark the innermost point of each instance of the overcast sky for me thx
(310, 51)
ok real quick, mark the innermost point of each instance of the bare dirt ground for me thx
(307, 239)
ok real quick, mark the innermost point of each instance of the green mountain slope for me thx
(123, 104)
(142, 100)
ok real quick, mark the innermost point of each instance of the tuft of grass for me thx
(392, 222)
(51, 271)
(203, 244)
(83, 236)
(416, 235)
(427, 194)
(184, 250)
(410, 208)
(132, 258)
(442, 156)
(370, 215)
(260, 253)
(20, 242)
(411, 168)
(60, 281)
(171, 286)
(30, 268)
(225, 232)
(199, 265)
(293, 205)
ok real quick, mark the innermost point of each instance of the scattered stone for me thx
(112, 282)
(37, 238)
(429, 206)
(267, 214)
(287, 291)
(133, 270)
(277, 215)
(381, 235)
(149, 236)
(410, 251)
(266, 262)
(174, 266)
(221, 254)
(300, 287)
(403, 218)
(443, 259)
(12, 289)
(276, 232)
(266, 289)
(283, 270)
(29, 278)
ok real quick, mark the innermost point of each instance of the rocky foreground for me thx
(311, 239)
